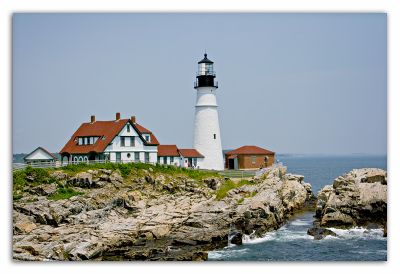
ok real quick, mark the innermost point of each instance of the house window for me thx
(132, 141)
(171, 159)
(91, 140)
(194, 162)
(137, 156)
(80, 141)
(128, 155)
(118, 156)
(147, 138)
(165, 160)
(147, 157)
(215, 136)
(158, 159)
(253, 159)
(122, 141)
(95, 139)
(128, 128)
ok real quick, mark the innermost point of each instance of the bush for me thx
(64, 193)
(29, 177)
(228, 185)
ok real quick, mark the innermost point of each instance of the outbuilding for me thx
(40, 155)
(249, 157)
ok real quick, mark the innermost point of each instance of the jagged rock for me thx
(44, 189)
(357, 198)
(237, 239)
(82, 179)
(319, 233)
(116, 177)
(59, 175)
(140, 220)
(213, 183)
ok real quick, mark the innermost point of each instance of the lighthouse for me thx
(207, 137)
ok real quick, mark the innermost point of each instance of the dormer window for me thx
(128, 128)
(147, 138)
(82, 141)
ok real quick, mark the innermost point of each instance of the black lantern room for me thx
(205, 74)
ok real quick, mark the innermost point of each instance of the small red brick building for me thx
(249, 157)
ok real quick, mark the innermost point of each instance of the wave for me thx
(300, 222)
(357, 232)
(226, 252)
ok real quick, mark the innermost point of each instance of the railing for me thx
(238, 173)
(226, 173)
(55, 164)
(196, 84)
(204, 73)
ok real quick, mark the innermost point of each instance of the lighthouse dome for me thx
(205, 60)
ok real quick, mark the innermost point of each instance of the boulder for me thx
(82, 179)
(44, 189)
(237, 238)
(319, 233)
(357, 198)
(149, 219)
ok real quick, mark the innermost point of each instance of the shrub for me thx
(64, 193)
(228, 185)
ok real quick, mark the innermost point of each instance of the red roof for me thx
(168, 150)
(106, 131)
(190, 153)
(254, 150)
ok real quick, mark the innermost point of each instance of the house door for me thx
(190, 163)
(118, 157)
(231, 163)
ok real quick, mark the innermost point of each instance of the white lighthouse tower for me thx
(207, 137)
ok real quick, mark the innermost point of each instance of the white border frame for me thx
(391, 7)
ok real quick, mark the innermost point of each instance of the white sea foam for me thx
(300, 222)
(358, 232)
(226, 253)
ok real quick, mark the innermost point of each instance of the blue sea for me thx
(291, 242)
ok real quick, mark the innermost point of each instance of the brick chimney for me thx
(117, 116)
(92, 119)
(133, 119)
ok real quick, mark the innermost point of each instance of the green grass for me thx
(64, 193)
(127, 168)
(20, 179)
(228, 185)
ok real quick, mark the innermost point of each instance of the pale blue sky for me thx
(292, 83)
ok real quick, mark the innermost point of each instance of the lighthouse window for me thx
(215, 136)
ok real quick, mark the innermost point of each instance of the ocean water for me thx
(291, 242)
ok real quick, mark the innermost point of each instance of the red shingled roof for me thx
(254, 150)
(106, 129)
(167, 150)
(190, 153)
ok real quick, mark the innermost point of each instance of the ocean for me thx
(291, 242)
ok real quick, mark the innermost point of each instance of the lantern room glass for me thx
(206, 69)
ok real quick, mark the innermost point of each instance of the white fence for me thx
(55, 164)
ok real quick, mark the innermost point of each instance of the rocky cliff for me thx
(147, 214)
(358, 198)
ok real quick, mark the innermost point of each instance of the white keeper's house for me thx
(119, 140)
(124, 140)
